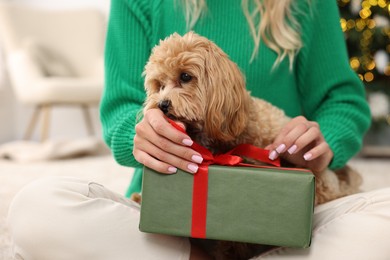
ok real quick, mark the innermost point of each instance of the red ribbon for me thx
(200, 185)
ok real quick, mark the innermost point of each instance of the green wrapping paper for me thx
(270, 205)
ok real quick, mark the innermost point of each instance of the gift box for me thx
(266, 205)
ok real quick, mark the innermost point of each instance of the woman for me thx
(292, 54)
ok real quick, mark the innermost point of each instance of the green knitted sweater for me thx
(321, 86)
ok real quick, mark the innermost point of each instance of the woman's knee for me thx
(38, 208)
(39, 194)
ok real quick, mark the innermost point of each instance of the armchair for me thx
(53, 57)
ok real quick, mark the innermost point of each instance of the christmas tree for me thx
(366, 25)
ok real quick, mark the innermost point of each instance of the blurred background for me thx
(43, 38)
(366, 25)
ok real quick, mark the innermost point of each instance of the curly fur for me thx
(218, 111)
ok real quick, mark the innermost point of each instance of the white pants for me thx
(66, 218)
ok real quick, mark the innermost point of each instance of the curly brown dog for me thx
(193, 81)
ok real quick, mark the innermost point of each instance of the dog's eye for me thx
(185, 77)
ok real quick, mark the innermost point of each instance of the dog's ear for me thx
(227, 109)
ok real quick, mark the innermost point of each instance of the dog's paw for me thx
(136, 197)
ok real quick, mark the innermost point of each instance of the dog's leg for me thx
(331, 185)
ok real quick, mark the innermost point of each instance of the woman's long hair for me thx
(277, 27)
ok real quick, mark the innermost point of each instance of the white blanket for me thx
(31, 151)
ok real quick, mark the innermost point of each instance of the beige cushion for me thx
(22, 70)
(51, 63)
(67, 90)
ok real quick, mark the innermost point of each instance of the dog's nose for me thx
(164, 105)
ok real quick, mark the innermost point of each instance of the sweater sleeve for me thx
(332, 93)
(126, 52)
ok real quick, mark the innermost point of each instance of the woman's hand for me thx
(301, 143)
(161, 147)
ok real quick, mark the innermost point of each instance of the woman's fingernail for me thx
(192, 167)
(273, 155)
(292, 149)
(307, 156)
(197, 158)
(281, 148)
(187, 142)
(172, 169)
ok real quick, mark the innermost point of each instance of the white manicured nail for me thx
(196, 158)
(192, 167)
(292, 149)
(172, 169)
(273, 155)
(187, 142)
(307, 156)
(281, 148)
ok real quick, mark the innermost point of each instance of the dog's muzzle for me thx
(164, 105)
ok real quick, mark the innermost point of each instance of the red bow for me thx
(200, 185)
